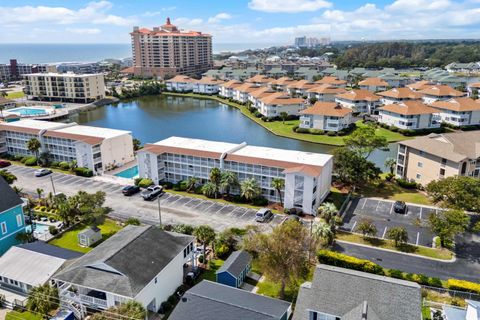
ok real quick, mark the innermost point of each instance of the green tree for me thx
(249, 189)
(39, 193)
(132, 221)
(131, 310)
(282, 254)
(191, 183)
(391, 163)
(183, 228)
(228, 181)
(44, 158)
(8, 176)
(215, 177)
(206, 235)
(367, 228)
(137, 144)
(354, 170)
(322, 231)
(42, 299)
(399, 235)
(278, 184)
(33, 145)
(283, 116)
(457, 192)
(24, 237)
(17, 190)
(209, 189)
(447, 224)
(364, 141)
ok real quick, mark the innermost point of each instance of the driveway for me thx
(175, 208)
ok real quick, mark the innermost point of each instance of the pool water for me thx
(39, 228)
(28, 111)
(128, 173)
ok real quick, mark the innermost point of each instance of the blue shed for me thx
(235, 269)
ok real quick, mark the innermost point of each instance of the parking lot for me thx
(383, 216)
(175, 208)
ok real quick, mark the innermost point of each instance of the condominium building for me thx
(459, 111)
(67, 87)
(373, 84)
(440, 92)
(274, 104)
(15, 70)
(328, 116)
(166, 50)
(409, 115)
(325, 92)
(98, 149)
(398, 95)
(359, 100)
(307, 175)
(437, 156)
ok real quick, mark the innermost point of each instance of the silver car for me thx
(263, 215)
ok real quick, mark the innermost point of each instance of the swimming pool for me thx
(39, 228)
(128, 173)
(28, 111)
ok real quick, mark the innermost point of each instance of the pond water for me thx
(158, 117)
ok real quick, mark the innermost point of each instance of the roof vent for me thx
(184, 299)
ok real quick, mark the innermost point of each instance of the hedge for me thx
(145, 183)
(31, 161)
(462, 285)
(344, 261)
(83, 172)
(407, 184)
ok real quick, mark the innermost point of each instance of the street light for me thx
(53, 186)
(159, 212)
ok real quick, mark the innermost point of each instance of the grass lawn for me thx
(443, 298)
(426, 313)
(442, 254)
(69, 240)
(285, 129)
(209, 274)
(15, 95)
(336, 197)
(18, 163)
(16, 315)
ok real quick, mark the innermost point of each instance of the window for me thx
(444, 161)
(419, 176)
(442, 172)
(155, 279)
(4, 227)
(19, 220)
(420, 164)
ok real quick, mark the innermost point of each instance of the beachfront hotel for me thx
(99, 149)
(307, 175)
(166, 51)
(65, 87)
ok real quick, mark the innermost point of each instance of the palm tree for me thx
(229, 180)
(284, 116)
(327, 211)
(191, 183)
(249, 189)
(278, 184)
(209, 189)
(215, 177)
(39, 193)
(33, 145)
(17, 190)
(205, 234)
(390, 163)
(3, 94)
(42, 299)
(322, 231)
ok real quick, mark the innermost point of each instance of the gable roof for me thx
(358, 95)
(259, 78)
(301, 84)
(181, 78)
(126, 262)
(231, 84)
(442, 91)
(209, 80)
(214, 301)
(236, 263)
(345, 293)
(282, 81)
(412, 107)
(376, 82)
(9, 198)
(458, 104)
(280, 98)
(327, 109)
(334, 81)
(327, 89)
(420, 85)
(401, 93)
(474, 85)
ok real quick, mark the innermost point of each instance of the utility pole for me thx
(53, 185)
(159, 212)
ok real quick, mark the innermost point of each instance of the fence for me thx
(455, 293)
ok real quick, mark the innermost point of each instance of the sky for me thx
(239, 21)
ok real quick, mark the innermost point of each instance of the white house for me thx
(226, 89)
(259, 80)
(325, 92)
(180, 83)
(359, 100)
(299, 88)
(459, 111)
(332, 81)
(373, 84)
(254, 96)
(473, 88)
(412, 115)
(281, 84)
(274, 104)
(207, 85)
(241, 93)
(144, 263)
(397, 95)
(440, 92)
(327, 116)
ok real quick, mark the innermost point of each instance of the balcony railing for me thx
(84, 299)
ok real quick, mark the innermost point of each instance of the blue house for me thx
(235, 269)
(12, 220)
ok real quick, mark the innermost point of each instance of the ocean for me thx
(51, 53)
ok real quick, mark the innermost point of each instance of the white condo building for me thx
(98, 149)
(307, 175)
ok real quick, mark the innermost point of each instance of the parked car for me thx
(151, 192)
(130, 190)
(42, 172)
(263, 215)
(400, 207)
(4, 164)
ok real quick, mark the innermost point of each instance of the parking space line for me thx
(384, 232)
(364, 202)
(376, 207)
(418, 236)
(247, 211)
(185, 204)
(421, 209)
(391, 209)
(353, 227)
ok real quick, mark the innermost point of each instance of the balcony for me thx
(84, 299)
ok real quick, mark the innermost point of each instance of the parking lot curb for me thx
(454, 258)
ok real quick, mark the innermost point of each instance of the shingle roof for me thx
(344, 293)
(236, 263)
(213, 301)
(327, 109)
(331, 80)
(126, 262)
(420, 85)
(458, 104)
(412, 107)
(377, 82)
(327, 88)
(442, 91)
(9, 198)
(181, 78)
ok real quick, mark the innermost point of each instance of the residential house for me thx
(12, 221)
(409, 115)
(281, 84)
(473, 90)
(274, 104)
(276, 72)
(254, 96)
(440, 92)
(226, 89)
(214, 301)
(241, 93)
(471, 312)
(462, 111)
(471, 67)
(325, 92)
(437, 156)
(373, 84)
(338, 293)
(299, 88)
(397, 95)
(141, 263)
(420, 85)
(180, 83)
(30, 265)
(327, 116)
(359, 100)
(207, 85)
(259, 80)
(332, 81)
(235, 269)
(394, 80)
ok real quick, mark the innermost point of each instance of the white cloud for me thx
(219, 17)
(158, 13)
(288, 6)
(185, 23)
(84, 30)
(94, 12)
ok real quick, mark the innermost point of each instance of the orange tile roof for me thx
(376, 82)
(181, 78)
(209, 80)
(409, 108)
(128, 70)
(232, 84)
(312, 171)
(458, 104)
(442, 91)
(247, 87)
(259, 78)
(420, 85)
(401, 93)
(261, 92)
(474, 85)
(331, 80)
(358, 95)
(327, 88)
(327, 109)
(280, 98)
(301, 84)
(282, 81)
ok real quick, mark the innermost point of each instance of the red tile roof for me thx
(327, 109)
(442, 91)
(458, 104)
(409, 108)
(401, 93)
(358, 95)
(374, 82)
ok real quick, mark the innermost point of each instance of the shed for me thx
(89, 236)
(235, 269)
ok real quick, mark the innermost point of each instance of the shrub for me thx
(198, 190)
(257, 114)
(389, 176)
(462, 285)
(407, 184)
(31, 161)
(260, 201)
(222, 251)
(137, 180)
(165, 307)
(132, 221)
(394, 273)
(145, 183)
(302, 130)
(344, 261)
(64, 165)
(53, 231)
(201, 259)
(295, 128)
(83, 172)
(316, 131)
(54, 164)
(17, 157)
(166, 185)
(331, 133)
(23, 159)
(172, 299)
